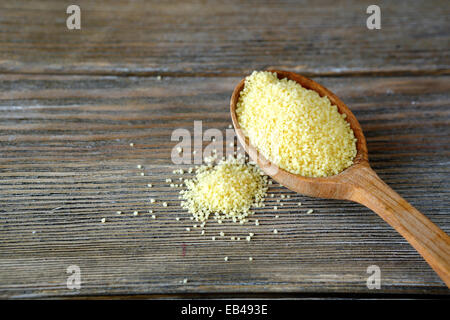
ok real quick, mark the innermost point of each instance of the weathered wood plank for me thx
(224, 37)
(66, 163)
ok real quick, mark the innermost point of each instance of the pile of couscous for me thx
(228, 189)
(294, 127)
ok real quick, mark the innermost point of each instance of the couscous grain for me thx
(294, 127)
(229, 189)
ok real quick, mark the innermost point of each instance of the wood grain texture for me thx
(429, 240)
(224, 37)
(66, 163)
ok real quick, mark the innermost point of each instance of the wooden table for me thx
(71, 102)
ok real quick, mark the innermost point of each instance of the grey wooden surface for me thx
(70, 104)
(224, 37)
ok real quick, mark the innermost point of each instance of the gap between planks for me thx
(144, 74)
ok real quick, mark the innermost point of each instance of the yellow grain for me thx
(229, 189)
(294, 127)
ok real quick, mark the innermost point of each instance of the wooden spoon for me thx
(358, 183)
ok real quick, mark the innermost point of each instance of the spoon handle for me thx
(428, 239)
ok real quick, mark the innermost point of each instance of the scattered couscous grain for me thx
(226, 258)
(103, 220)
(164, 204)
(275, 231)
(135, 213)
(294, 127)
(149, 185)
(310, 211)
(131, 144)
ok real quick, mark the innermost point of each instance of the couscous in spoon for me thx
(358, 183)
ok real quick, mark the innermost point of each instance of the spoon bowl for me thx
(357, 183)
